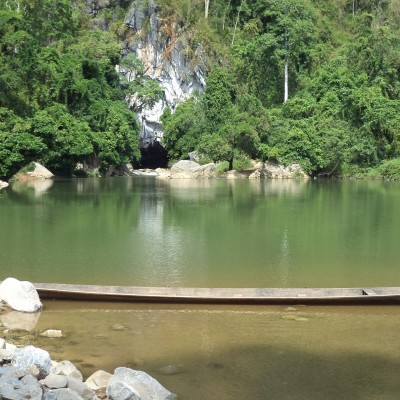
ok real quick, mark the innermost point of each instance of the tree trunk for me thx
(286, 84)
(206, 7)
(236, 23)
(231, 164)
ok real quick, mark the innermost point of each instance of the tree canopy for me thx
(307, 81)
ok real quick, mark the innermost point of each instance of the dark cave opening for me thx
(153, 156)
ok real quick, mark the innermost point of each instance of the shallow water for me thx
(232, 352)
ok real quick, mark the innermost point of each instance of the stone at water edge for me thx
(53, 381)
(25, 357)
(81, 388)
(20, 295)
(68, 369)
(61, 394)
(138, 382)
(3, 185)
(98, 380)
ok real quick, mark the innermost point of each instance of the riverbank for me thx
(28, 372)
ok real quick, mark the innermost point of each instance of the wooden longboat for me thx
(376, 295)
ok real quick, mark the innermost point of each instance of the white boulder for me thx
(20, 295)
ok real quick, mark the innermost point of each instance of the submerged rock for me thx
(52, 333)
(20, 295)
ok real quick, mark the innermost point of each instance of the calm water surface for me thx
(149, 232)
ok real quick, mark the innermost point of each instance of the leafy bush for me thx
(389, 169)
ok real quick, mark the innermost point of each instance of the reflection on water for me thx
(228, 352)
(204, 233)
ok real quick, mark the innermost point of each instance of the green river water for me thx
(143, 231)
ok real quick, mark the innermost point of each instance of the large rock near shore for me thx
(25, 357)
(20, 295)
(186, 169)
(34, 170)
(128, 384)
(278, 171)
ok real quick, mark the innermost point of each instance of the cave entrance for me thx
(153, 156)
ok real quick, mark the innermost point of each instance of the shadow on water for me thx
(285, 374)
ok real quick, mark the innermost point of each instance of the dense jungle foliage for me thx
(310, 81)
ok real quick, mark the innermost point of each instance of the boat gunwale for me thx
(219, 295)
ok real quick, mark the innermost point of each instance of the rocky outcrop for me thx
(34, 171)
(20, 295)
(186, 169)
(29, 373)
(278, 171)
(160, 45)
(3, 185)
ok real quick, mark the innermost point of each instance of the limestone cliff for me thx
(160, 44)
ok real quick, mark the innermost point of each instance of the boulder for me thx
(38, 171)
(81, 388)
(186, 169)
(128, 384)
(68, 369)
(32, 392)
(25, 357)
(61, 394)
(53, 381)
(98, 380)
(3, 185)
(20, 295)
(7, 352)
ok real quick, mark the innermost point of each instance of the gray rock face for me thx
(128, 384)
(20, 295)
(164, 61)
(25, 357)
